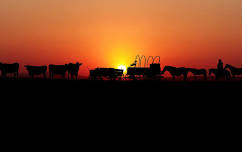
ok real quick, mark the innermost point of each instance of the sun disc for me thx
(122, 67)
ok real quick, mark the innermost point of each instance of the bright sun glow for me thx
(122, 67)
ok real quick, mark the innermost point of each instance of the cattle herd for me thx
(153, 71)
(72, 69)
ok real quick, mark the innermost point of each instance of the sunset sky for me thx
(108, 33)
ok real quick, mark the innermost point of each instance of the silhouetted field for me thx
(127, 91)
(173, 106)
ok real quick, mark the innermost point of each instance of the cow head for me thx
(79, 64)
(73, 64)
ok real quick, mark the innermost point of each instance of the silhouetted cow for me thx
(57, 70)
(174, 71)
(36, 70)
(225, 74)
(197, 72)
(9, 69)
(234, 70)
(73, 70)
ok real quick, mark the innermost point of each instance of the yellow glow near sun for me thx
(122, 67)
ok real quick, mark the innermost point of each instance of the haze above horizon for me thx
(110, 33)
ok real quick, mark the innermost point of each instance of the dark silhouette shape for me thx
(176, 71)
(197, 72)
(73, 70)
(220, 67)
(234, 70)
(134, 64)
(151, 72)
(136, 72)
(9, 69)
(36, 70)
(225, 74)
(57, 70)
(110, 73)
(154, 71)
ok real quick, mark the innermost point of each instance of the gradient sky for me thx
(107, 33)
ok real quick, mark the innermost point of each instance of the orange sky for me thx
(107, 33)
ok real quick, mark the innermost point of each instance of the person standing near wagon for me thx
(220, 68)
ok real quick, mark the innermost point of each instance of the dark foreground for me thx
(99, 96)
(114, 92)
(178, 113)
(122, 97)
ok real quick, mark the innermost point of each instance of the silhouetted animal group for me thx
(61, 70)
(73, 69)
(182, 71)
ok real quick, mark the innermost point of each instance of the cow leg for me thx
(205, 77)
(3, 75)
(16, 74)
(185, 77)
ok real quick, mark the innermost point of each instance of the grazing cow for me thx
(196, 72)
(73, 70)
(9, 69)
(225, 74)
(176, 71)
(36, 70)
(234, 70)
(57, 70)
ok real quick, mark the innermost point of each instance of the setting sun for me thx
(122, 67)
(110, 33)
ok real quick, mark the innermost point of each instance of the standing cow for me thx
(36, 70)
(9, 69)
(73, 70)
(57, 70)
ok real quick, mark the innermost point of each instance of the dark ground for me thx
(121, 93)
(135, 110)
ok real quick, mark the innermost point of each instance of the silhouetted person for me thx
(134, 64)
(220, 68)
